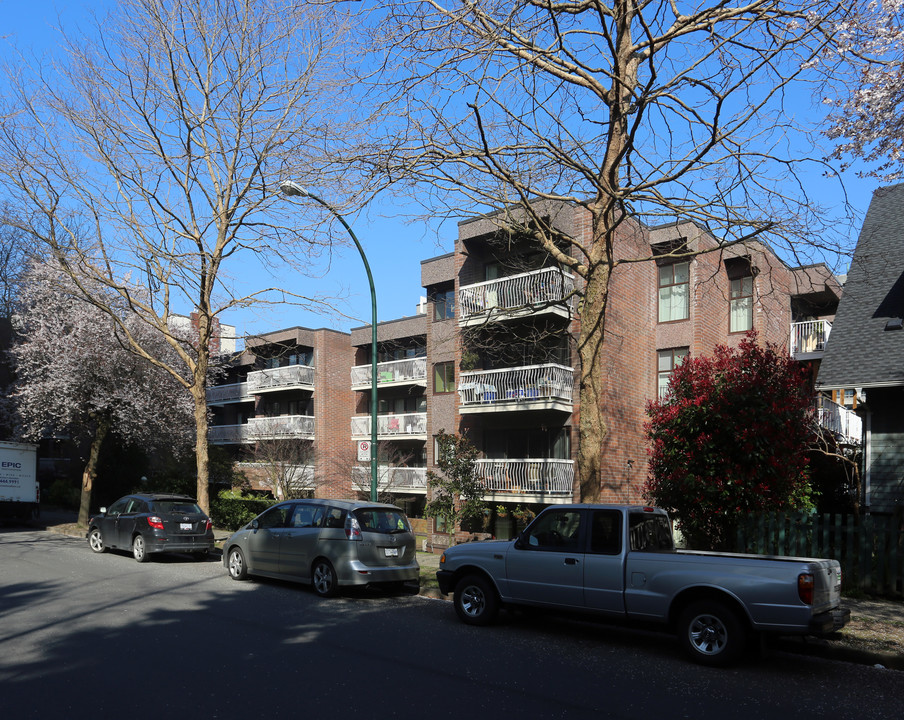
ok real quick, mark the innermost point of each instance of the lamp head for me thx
(290, 188)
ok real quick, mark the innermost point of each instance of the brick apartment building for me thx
(493, 355)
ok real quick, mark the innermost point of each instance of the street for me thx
(96, 636)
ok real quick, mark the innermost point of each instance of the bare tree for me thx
(286, 462)
(392, 471)
(77, 374)
(152, 152)
(17, 248)
(632, 113)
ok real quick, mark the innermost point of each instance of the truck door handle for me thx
(571, 561)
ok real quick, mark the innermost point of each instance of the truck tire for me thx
(711, 633)
(476, 602)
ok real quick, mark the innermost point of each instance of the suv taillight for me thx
(207, 525)
(155, 522)
(805, 588)
(352, 528)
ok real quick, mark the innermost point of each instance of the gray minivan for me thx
(327, 543)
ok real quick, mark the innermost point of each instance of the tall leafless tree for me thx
(635, 113)
(150, 152)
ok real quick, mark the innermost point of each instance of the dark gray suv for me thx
(327, 543)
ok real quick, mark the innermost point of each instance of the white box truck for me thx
(20, 492)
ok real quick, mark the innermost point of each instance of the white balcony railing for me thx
(229, 434)
(523, 291)
(531, 477)
(281, 378)
(392, 478)
(391, 426)
(235, 392)
(281, 426)
(838, 419)
(810, 336)
(550, 382)
(410, 370)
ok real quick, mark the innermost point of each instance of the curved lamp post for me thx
(291, 188)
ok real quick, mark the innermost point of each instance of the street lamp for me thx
(291, 188)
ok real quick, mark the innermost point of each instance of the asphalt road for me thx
(100, 636)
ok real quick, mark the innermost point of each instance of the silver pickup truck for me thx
(620, 562)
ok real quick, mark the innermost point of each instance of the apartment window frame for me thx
(675, 357)
(740, 303)
(444, 305)
(444, 376)
(670, 291)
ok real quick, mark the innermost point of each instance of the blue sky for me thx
(395, 248)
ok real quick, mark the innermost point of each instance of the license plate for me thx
(391, 552)
(185, 526)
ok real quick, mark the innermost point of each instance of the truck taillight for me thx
(352, 528)
(805, 588)
(155, 522)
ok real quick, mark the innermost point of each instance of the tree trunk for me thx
(90, 473)
(201, 449)
(592, 426)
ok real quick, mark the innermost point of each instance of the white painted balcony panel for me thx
(232, 393)
(391, 427)
(282, 378)
(282, 426)
(843, 422)
(410, 371)
(391, 479)
(546, 290)
(809, 337)
(229, 434)
(535, 477)
(548, 386)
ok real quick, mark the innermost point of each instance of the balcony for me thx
(808, 339)
(845, 424)
(410, 371)
(532, 387)
(392, 479)
(411, 426)
(546, 292)
(527, 480)
(291, 377)
(229, 434)
(226, 394)
(282, 427)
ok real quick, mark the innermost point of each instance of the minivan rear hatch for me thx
(386, 539)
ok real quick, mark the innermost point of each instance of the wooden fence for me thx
(870, 548)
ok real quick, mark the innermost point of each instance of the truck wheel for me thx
(139, 551)
(476, 602)
(96, 541)
(711, 633)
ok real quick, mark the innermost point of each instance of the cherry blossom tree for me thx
(76, 373)
(867, 117)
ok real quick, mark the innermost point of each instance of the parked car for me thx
(327, 543)
(152, 523)
(620, 562)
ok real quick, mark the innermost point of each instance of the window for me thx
(649, 532)
(668, 360)
(444, 305)
(444, 377)
(741, 304)
(674, 291)
(555, 531)
(605, 532)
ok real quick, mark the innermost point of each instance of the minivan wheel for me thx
(236, 564)
(711, 633)
(323, 579)
(96, 541)
(139, 551)
(476, 602)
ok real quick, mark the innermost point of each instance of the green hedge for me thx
(230, 511)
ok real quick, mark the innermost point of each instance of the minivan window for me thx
(274, 517)
(382, 520)
(306, 516)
